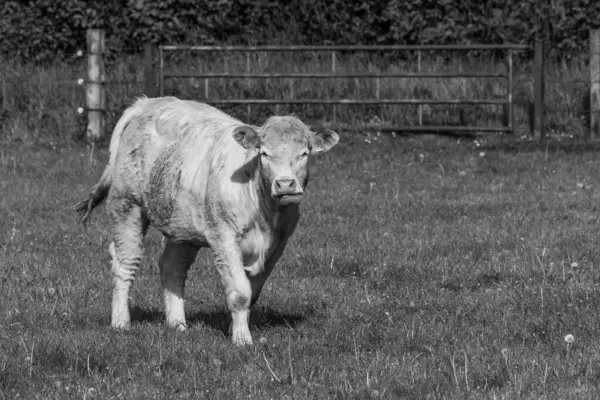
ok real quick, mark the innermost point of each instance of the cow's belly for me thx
(171, 208)
(178, 235)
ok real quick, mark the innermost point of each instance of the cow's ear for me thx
(323, 140)
(247, 136)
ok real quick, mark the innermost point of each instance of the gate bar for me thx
(350, 48)
(173, 74)
(419, 128)
(353, 101)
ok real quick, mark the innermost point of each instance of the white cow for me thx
(204, 179)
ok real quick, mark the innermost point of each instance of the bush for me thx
(43, 30)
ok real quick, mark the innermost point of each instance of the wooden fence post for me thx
(538, 90)
(149, 75)
(95, 93)
(595, 84)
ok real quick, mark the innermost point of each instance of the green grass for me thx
(423, 267)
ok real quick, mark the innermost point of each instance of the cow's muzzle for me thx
(286, 191)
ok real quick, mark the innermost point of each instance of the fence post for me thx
(538, 90)
(149, 75)
(95, 94)
(595, 84)
(161, 74)
(333, 62)
(509, 110)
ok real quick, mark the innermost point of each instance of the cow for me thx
(203, 179)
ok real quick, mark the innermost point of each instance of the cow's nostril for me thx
(285, 184)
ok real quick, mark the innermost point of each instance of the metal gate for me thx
(507, 101)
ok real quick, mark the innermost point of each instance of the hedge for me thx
(47, 30)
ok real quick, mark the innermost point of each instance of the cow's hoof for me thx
(178, 325)
(121, 325)
(239, 330)
(242, 340)
(241, 337)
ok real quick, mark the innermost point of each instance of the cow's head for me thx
(284, 145)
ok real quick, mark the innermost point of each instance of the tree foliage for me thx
(43, 30)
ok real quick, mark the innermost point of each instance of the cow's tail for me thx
(100, 190)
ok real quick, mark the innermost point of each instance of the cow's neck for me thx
(273, 215)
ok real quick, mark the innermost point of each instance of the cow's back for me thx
(161, 124)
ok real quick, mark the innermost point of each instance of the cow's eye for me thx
(304, 154)
(264, 155)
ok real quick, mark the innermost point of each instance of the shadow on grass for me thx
(481, 281)
(260, 318)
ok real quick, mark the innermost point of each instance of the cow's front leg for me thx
(174, 263)
(258, 281)
(228, 259)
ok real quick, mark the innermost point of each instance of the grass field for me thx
(423, 267)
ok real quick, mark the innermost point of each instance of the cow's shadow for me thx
(260, 318)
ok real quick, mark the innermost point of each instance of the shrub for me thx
(43, 30)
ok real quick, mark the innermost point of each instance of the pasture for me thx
(422, 267)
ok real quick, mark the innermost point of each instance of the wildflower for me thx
(569, 338)
(79, 53)
(80, 81)
(80, 110)
(263, 340)
(51, 291)
(482, 154)
(574, 265)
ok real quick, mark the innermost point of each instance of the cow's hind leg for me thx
(126, 251)
(174, 264)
